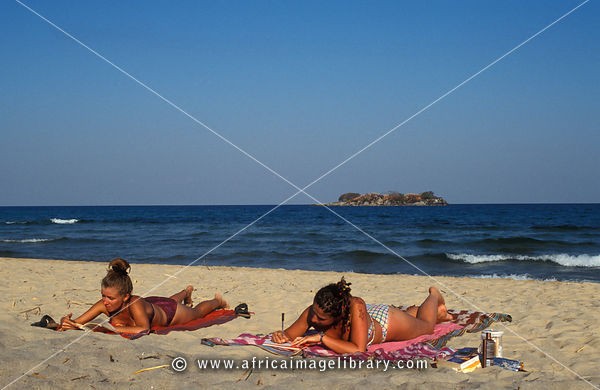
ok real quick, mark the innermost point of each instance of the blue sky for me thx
(300, 86)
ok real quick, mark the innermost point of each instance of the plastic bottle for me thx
(489, 350)
(484, 352)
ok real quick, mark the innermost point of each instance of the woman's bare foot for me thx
(222, 302)
(442, 314)
(188, 301)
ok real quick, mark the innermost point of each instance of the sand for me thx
(554, 330)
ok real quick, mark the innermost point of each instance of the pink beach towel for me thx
(440, 330)
(411, 350)
(427, 346)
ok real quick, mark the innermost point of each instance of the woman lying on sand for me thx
(346, 324)
(134, 314)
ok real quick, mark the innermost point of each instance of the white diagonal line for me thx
(376, 140)
(45, 360)
(151, 290)
(325, 174)
(302, 190)
(468, 301)
(161, 97)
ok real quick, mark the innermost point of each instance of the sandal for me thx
(46, 322)
(241, 310)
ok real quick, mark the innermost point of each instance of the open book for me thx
(460, 365)
(463, 360)
(285, 346)
(99, 325)
(285, 349)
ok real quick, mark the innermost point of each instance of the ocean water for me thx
(535, 241)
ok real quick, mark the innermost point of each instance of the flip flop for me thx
(43, 323)
(241, 310)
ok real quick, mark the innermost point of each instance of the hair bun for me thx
(343, 286)
(120, 266)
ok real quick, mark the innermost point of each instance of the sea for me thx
(518, 241)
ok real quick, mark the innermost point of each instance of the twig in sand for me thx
(76, 289)
(38, 308)
(249, 371)
(149, 357)
(579, 350)
(150, 368)
(70, 302)
(80, 377)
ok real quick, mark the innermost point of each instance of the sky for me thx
(300, 87)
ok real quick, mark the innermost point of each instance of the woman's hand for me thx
(307, 340)
(279, 337)
(66, 323)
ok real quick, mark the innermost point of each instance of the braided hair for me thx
(334, 299)
(118, 276)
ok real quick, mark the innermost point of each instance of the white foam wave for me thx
(14, 223)
(510, 276)
(29, 240)
(562, 259)
(64, 221)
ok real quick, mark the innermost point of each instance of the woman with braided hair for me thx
(347, 324)
(133, 314)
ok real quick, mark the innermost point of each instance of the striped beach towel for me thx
(426, 346)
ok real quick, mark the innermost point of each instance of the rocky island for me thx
(427, 198)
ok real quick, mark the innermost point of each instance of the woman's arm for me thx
(137, 312)
(359, 327)
(298, 328)
(359, 324)
(67, 323)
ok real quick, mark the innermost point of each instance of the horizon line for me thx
(299, 204)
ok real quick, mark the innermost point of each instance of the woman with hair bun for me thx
(133, 314)
(346, 324)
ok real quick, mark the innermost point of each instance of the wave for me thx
(8, 254)
(64, 221)
(563, 227)
(31, 240)
(81, 240)
(510, 276)
(561, 259)
(525, 241)
(359, 253)
(432, 242)
(59, 221)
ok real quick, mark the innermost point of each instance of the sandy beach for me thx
(554, 329)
